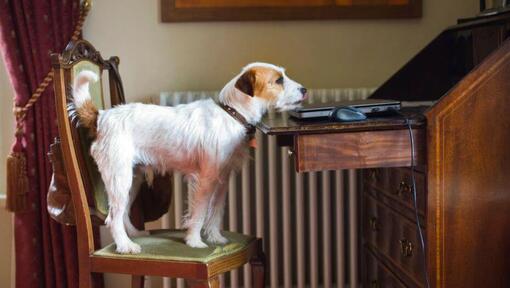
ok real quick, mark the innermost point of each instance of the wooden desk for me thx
(326, 145)
(373, 143)
(463, 149)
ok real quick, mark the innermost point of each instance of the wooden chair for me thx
(163, 252)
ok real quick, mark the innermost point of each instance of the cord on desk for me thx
(415, 202)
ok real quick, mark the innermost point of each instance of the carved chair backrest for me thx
(85, 183)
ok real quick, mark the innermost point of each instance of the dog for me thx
(203, 140)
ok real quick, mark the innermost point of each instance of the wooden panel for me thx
(357, 150)
(394, 237)
(378, 275)
(468, 179)
(486, 39)
(395, 189)
(449, 57)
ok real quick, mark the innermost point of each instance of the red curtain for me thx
(29, 31)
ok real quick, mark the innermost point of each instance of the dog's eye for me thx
(279, 80)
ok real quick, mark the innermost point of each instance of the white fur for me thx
(198, 139)
(81, 86)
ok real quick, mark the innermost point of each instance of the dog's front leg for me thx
(201, 189)
(215, 215)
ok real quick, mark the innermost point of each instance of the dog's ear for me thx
(246, 82)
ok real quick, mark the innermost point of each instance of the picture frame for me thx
(260, 10)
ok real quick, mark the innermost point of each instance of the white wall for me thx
(5, 246)
(6, 122)
(6, 132)
(203, 56)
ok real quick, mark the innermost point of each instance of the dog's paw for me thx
(217, 238)
(195, 242)
(128, 248)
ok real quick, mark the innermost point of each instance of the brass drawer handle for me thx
(374, 174)
(374, 284)
(372, 221)
(406, 248)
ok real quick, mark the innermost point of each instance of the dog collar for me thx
(250, 129)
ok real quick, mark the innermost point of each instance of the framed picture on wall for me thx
(250, 10)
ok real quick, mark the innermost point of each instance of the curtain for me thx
(46, 252)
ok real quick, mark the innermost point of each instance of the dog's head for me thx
(270, 84)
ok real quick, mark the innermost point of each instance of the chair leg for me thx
(85, 279)
(90, 280)
(137, 281)
(258, 264)
(210, 283)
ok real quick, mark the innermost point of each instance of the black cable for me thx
(415, 202)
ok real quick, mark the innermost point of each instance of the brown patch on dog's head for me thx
(263, 82)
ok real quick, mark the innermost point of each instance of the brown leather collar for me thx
(250, 129)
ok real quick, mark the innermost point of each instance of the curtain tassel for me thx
(17, 182)
(17, 178)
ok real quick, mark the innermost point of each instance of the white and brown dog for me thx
(203, 139)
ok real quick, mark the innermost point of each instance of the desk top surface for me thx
(282, 124)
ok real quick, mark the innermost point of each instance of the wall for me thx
(6, 132)
(5, 246)
(203, 56)
(6, 122)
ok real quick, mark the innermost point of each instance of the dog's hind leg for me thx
(138, 179)
(117, 174)
(202, 188)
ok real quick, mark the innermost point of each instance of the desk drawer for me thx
(355, 150)
(393, 236)
(378, 275)
(395, 186)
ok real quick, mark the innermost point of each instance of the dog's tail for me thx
(85, 109)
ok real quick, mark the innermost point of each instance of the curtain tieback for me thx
(17, 178)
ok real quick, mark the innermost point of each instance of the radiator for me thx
(308, 220)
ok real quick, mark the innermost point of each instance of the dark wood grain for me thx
(449, 57)
(379, 275)
(486, 39)
(469, 168)
(393, 236)
(390, 148)
(171, 13)
(394, 190)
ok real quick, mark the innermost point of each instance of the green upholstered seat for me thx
(169, 245)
